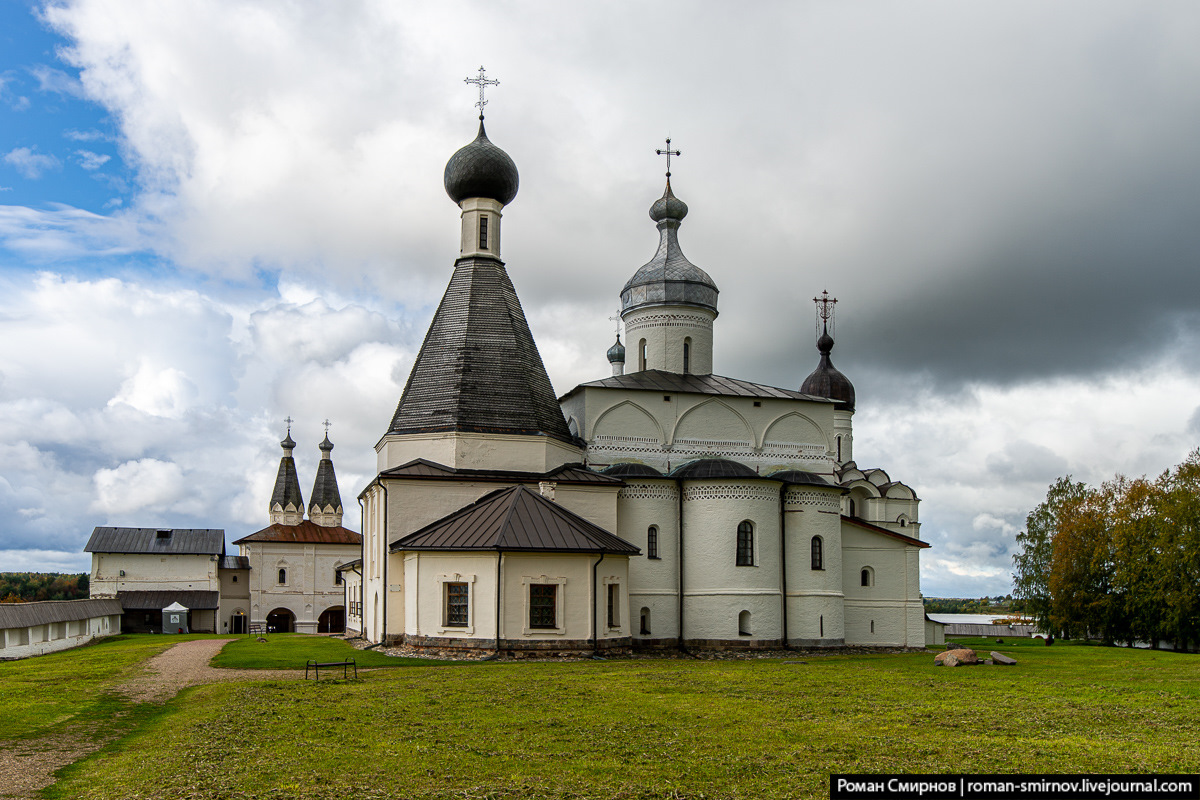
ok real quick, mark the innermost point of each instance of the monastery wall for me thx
(37, 640)
(144, 572)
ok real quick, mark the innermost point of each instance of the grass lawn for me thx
(44, 694)
(293, 650)
(659, 728)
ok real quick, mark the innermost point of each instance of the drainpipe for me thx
(386, 554)
(679, 511)
(595, 602)
(783, 563)
(499, 561)
(362, 561)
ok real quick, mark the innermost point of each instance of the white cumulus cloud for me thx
(136, 485)
(30, 163)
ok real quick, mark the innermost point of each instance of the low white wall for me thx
(37, 640)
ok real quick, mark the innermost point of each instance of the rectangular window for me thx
(483, 232)
(337, 578)
(652, 542)
(745, 545)
(543, 599)
(456, 605)
(614, 605)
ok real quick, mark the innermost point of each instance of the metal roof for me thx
(876, 529)
(481, 169)
(677, 382)
(479, 369)
(630, 470)
(826, 380)
(234, 562)
(24, 615)
(515, 519)
(180, 541)
(571, 474)
(306, 531)
(158, 600)
(713, 468)
(799, 477)
(325, 488)
(349, 565)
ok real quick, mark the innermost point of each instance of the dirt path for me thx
(29, 766)
(186, 664)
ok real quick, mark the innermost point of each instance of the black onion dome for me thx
(713, 468)
(326, 446)
(628, 470)
(481, 170)
(827, 381)
(616, 353)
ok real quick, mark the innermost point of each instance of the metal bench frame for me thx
(316, 667)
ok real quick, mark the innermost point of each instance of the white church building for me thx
(662, 505)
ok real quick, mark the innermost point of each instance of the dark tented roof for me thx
(661, 381)
(24, 615)
(568, 474)
(287, 484)
(479, 369)
(515, 519)
(193, 599)
(713, 468)
(325, 489)
(234, 562)
(307, 532)
(800, 477)
(631, 471)
(180, 541)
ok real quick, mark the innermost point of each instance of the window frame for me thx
(817, 553)
(483, 231)
(543, 606)
(282, 576)
(745, 544)
(560, 609)
(457, 595)
(652, 543)
(443, 584)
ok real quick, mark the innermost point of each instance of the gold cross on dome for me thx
(668, 153)
(482, 82)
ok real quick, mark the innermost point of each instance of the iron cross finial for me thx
(482, 82)
(668, 153)
(289, 422)
(326, 424)
(825, 305)
(617, 319)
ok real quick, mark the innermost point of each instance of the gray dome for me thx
(616, 353)
(827, 381)
(669, 278)
(627, 470)
(713, 468)
(481, 170)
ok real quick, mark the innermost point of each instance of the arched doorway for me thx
(281, 621)
(332, 620)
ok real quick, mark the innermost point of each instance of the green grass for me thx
(669, 728)
(293, 650)
(70, 687)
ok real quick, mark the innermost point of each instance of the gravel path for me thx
(186, 664)
(28, 767)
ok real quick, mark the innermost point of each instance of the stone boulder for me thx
(1000, 658)
(962, 657)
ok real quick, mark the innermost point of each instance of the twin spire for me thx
(287, 503)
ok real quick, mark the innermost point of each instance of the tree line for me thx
(1119, 562)
(26, 587)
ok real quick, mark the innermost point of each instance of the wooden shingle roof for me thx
(515, 519)
(479, 369)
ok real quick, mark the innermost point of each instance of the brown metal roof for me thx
(192, 599)
(178, 541)
(515, 519)
(876, 529)
(307, 532)
(662, 381)
(24, 615)
(571, 474)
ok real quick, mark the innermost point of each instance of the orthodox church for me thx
(662, 505)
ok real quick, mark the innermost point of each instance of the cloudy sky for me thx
(214, 215)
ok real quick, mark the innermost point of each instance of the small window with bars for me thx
(483, 225)
(652, 542)
(543, 601)
(745, 544)
(456, 605)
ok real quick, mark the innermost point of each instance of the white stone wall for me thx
(888, 613)
(716, 590)
(815, 615)
(653, 583)
(309, 589)
(664, 429)
(476, 451)
(665, 329)
(41, 639)
(148, 572)
(473, 209)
